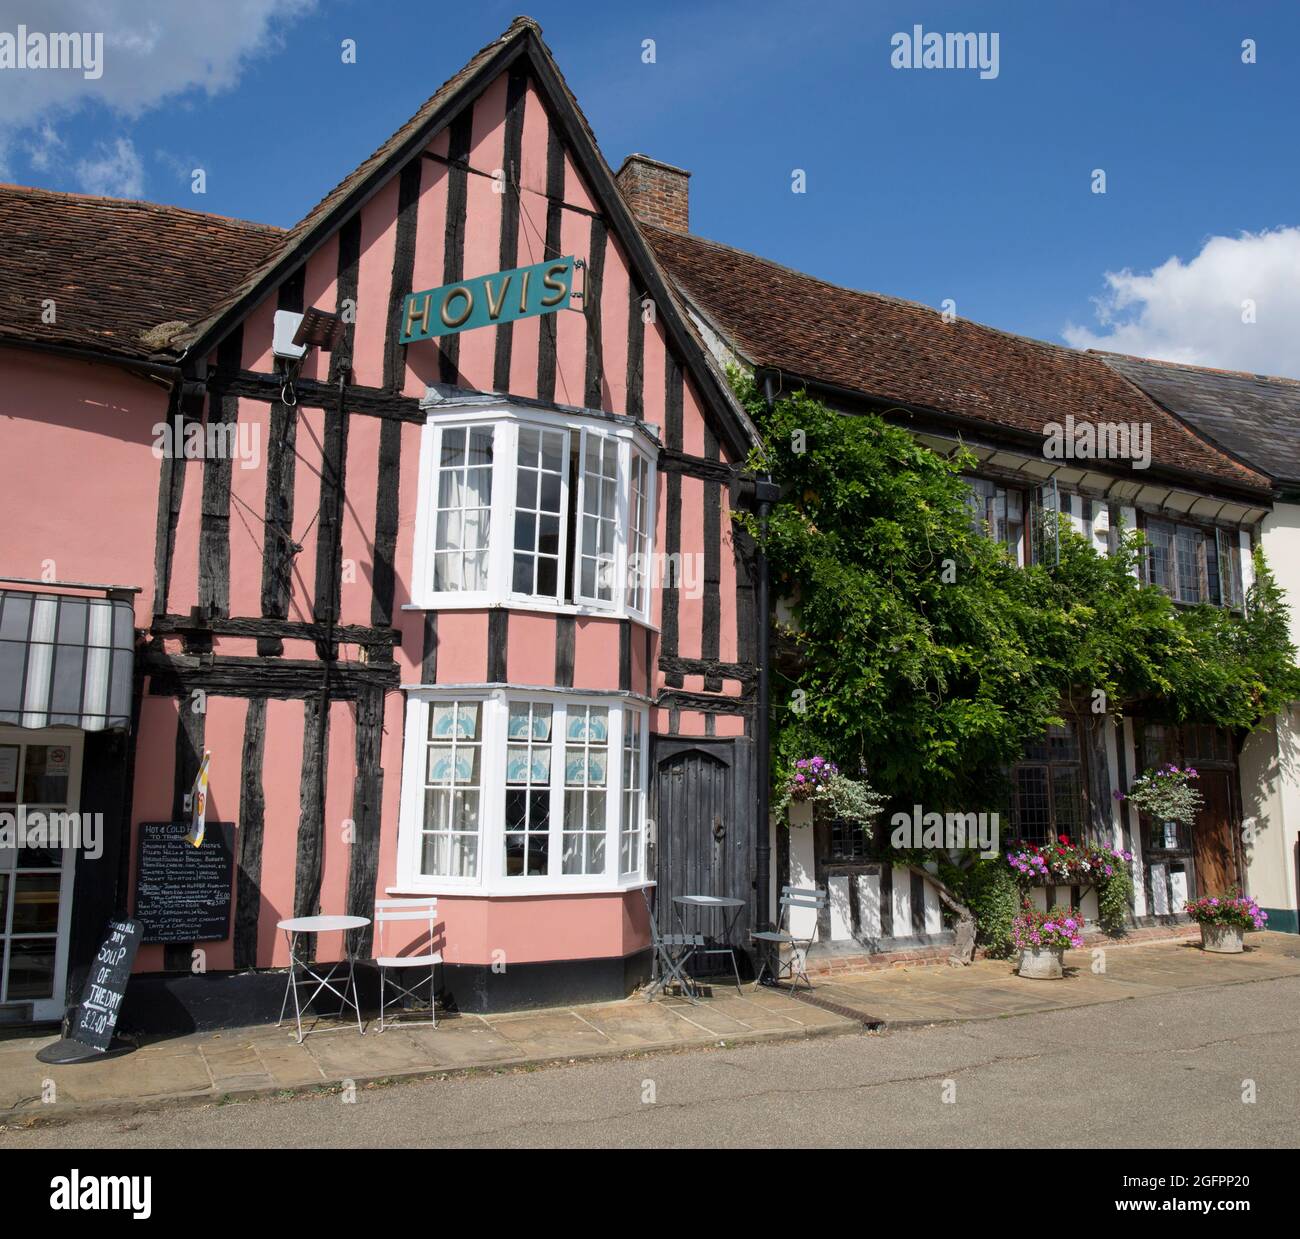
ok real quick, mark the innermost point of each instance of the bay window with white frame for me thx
(518, 791)
(536, 508)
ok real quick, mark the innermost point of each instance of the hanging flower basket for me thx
(1166, 794)
(814, 783)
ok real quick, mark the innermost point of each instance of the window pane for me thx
(638, 543)
(452, 779)
(1160, 554)
(528, 789)
(31, 968)
(586, 773)
(36, 903)
(1188, 545)
(538, 504)
(599, 516)
(1033, 814)
(462, 521)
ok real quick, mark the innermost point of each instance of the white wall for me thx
(1270, 758)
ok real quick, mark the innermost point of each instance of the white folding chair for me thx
(388, 911)
(812, 899)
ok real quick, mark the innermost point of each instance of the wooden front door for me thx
(1212, 849)
(704, 847)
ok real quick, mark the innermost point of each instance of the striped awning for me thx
(65, 661)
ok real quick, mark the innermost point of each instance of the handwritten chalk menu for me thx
(95, 1016)
(182, 892)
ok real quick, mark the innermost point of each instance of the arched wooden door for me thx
(703, 845)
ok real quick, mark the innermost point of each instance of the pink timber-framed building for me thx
(468, 617)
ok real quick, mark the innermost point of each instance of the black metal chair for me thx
(672, 954)
(813, 898)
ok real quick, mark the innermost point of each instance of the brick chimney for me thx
(656, 192)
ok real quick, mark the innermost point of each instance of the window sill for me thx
(454, 603)
(522, 889)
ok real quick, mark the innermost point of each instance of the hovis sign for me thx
(485, 300)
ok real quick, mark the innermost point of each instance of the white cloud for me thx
(153, 50)
(114, 170)
(1193, 311)
(42, 149)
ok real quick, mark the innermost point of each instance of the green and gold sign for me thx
(486, 300)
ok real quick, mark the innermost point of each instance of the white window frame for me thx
(507, 420)
(492, 878)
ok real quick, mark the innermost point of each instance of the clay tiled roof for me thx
(895, 350)
(1256, 417)
(114, 269)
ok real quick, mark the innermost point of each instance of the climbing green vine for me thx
(916, 647)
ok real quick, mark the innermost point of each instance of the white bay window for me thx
(516, 791)
(535, 507)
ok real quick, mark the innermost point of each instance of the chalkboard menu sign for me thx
(183, 892)
(95, 1016)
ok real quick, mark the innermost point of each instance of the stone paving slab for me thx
(249, 1062)
(990, 989)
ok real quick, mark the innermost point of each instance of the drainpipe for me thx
(765, 494)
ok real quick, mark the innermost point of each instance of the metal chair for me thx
(386, 912)
(813, 898)
(672, 953)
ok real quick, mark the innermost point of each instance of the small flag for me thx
(199, 803)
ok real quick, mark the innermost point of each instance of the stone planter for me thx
(1222, 939)
(1042, 963)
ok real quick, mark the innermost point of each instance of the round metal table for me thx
(294, 928)
(730, 908)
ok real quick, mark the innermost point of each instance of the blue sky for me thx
(923, 184)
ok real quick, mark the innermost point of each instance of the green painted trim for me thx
(1284, 920)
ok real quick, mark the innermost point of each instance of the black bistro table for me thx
(728, 908)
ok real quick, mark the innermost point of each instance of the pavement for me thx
(246, 1064)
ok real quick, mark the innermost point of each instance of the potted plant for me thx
(1224, 919)
(1166, 795)
(1042, 939)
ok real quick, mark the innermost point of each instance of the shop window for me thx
(525, 792)
(1047, 787)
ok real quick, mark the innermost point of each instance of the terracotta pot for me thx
(1222, 939)
(1042, 963)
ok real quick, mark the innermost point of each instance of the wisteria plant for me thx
(1166, 794)
(1056, 929)
(1231, 909)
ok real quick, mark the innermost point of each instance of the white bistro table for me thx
(294, 927)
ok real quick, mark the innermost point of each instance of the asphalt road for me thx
(1168, 1071)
